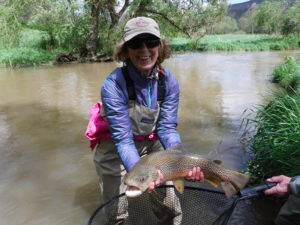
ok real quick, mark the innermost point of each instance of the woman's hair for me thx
(164, 52)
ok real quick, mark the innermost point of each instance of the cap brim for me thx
(129, 37)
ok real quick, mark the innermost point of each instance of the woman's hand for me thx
(282, 187)
(159, 181)
(195, 174)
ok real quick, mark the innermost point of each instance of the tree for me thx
(269, 16)
(291, 20)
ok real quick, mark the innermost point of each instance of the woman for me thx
(140, 103)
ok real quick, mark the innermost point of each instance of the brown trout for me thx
(175, 164)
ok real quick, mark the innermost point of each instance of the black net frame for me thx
(200, 204)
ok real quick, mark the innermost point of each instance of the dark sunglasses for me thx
(136, 43)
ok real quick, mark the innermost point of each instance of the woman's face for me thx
(143, 52)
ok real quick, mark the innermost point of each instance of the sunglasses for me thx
(150, 42)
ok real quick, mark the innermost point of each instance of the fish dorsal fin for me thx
(179, 185)
(218, 162)
(213, 181)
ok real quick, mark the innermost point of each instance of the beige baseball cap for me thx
(140, 25)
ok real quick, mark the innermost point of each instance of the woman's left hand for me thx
(157, 182)
(195, 174)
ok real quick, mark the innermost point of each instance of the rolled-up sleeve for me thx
(115, 99)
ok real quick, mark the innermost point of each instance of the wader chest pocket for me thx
(146, 120)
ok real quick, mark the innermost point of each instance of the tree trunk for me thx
(92, 40)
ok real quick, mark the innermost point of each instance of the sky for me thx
(236, 1)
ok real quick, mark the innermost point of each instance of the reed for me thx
(276, 143)
(236, 43)
(288, 74)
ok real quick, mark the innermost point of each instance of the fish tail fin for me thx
(228, 189)
(236, 182)
(239, 180)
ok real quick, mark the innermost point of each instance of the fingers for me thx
(157, 182)
(279, 179)
(281, 188)
(195, 174)
(151, 187)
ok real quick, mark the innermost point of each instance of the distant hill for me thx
(237, 10)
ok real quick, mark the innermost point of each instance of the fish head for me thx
(139, 179)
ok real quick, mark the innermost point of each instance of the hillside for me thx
(237, 10)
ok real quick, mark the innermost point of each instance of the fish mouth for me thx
(133, 191)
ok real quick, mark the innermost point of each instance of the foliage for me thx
(272, 16)
(276, 143)
(288, 74)
(10, 26)
(34, 38)
(236, 42)
(248, 21)
(64, 22)
(227, 25)
(291, 20)
(21, 57)
(269, 17)
(277, 140)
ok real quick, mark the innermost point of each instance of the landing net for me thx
(199, 205)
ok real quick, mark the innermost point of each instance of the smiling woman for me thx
(139, 105)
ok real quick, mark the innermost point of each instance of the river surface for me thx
(47, 174)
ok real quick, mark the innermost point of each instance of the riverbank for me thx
(33, 54)
(276, 143)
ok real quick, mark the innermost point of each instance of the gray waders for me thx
(111, 170)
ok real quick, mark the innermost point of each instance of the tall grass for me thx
(288, 74)
(236, 42)
(32, 50)
(21, 57)
(276, 144)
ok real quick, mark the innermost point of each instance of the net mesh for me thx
(199, 205)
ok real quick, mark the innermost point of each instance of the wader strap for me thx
(130, 85)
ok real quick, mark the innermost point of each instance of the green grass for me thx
(276, 144)
(288, 74)
(22, 57)
(236, 43)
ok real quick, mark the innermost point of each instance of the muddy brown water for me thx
(46, 170)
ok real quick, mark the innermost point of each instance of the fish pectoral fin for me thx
(213, 181)
(228, 189)
(179, 185)
(218, 162)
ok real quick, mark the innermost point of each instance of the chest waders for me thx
(143, 119)
(109, 166)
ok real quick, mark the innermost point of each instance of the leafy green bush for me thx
(34, 39)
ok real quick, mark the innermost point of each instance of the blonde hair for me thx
(164, 52)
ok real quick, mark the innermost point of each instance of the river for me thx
(47, 174)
